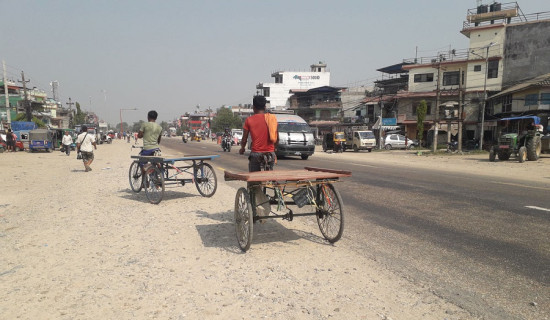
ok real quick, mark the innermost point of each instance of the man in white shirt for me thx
(84, 143)
(66, 142)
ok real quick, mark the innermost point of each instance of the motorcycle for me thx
(184, 138)
(452, 146)
(472, 144)
(226, 143)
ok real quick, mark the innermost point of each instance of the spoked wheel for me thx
(154, 185)
(330, 212)
(135, 177)
(243, 219)
(205, 180)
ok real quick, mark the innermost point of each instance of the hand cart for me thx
(283, 188)
(160, 171)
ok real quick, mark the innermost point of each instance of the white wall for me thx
(422, 86)
(479, 39)
(280, 92)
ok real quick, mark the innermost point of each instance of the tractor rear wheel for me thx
(503, 155)
(522, 154)
(533, 148)
(492, 155)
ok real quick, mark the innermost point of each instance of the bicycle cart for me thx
(160, 171)
(283, 188)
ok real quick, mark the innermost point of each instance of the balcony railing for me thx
(456, 55)
(508, 13)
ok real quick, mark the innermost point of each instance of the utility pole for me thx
(26, 100)
(6, 93)
(484, 98)
(436, 116)
(460, 109)
(70, 104)
(380, 142)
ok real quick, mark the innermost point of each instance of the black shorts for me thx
(257, 159)
(87, 156)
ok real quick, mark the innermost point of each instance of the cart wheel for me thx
(330, 212)
(154, 185)
(135, 177)
(205, 180)
(243, 219)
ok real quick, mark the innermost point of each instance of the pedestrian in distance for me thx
(10, 141)
(85, 144)
(66, 142)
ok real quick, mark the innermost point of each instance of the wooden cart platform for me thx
(306, 174)
(155, 159)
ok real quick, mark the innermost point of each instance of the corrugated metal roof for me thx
(542, 80)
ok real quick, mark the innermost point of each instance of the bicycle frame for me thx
(280, 193)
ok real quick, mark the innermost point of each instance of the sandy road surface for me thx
(77, 245)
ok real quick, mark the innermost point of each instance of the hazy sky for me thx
(174, 55)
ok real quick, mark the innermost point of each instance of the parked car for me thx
(398, 141)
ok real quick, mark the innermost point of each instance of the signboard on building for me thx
(389, 121)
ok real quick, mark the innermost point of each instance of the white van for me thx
(295, 137)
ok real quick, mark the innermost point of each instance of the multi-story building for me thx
(317, 104)
(458, 85)
(278, 93)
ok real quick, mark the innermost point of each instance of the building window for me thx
(428, 108)
(492, 71)
(424, 77)
(531, 99)
(545, 98)
(278, 79)
(451, 78)
(507, 103)
(477, 67)
(266, 92)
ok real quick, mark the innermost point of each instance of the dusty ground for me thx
(82, 245)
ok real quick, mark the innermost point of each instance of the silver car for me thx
(398, 141)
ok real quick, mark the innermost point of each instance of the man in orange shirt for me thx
(263, 149)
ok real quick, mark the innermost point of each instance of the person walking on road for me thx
(85, 143)
(67, 141)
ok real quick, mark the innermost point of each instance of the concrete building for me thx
(318, 104)
(278, 93)
(506, 46)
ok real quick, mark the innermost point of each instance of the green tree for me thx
(125, 127)
(137, 125)
(23, 117)
(164, 125)
(226, 119)
(80, 116)
(420, 116)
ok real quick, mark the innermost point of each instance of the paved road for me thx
(481, 243)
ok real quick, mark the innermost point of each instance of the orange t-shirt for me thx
(257, 127)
